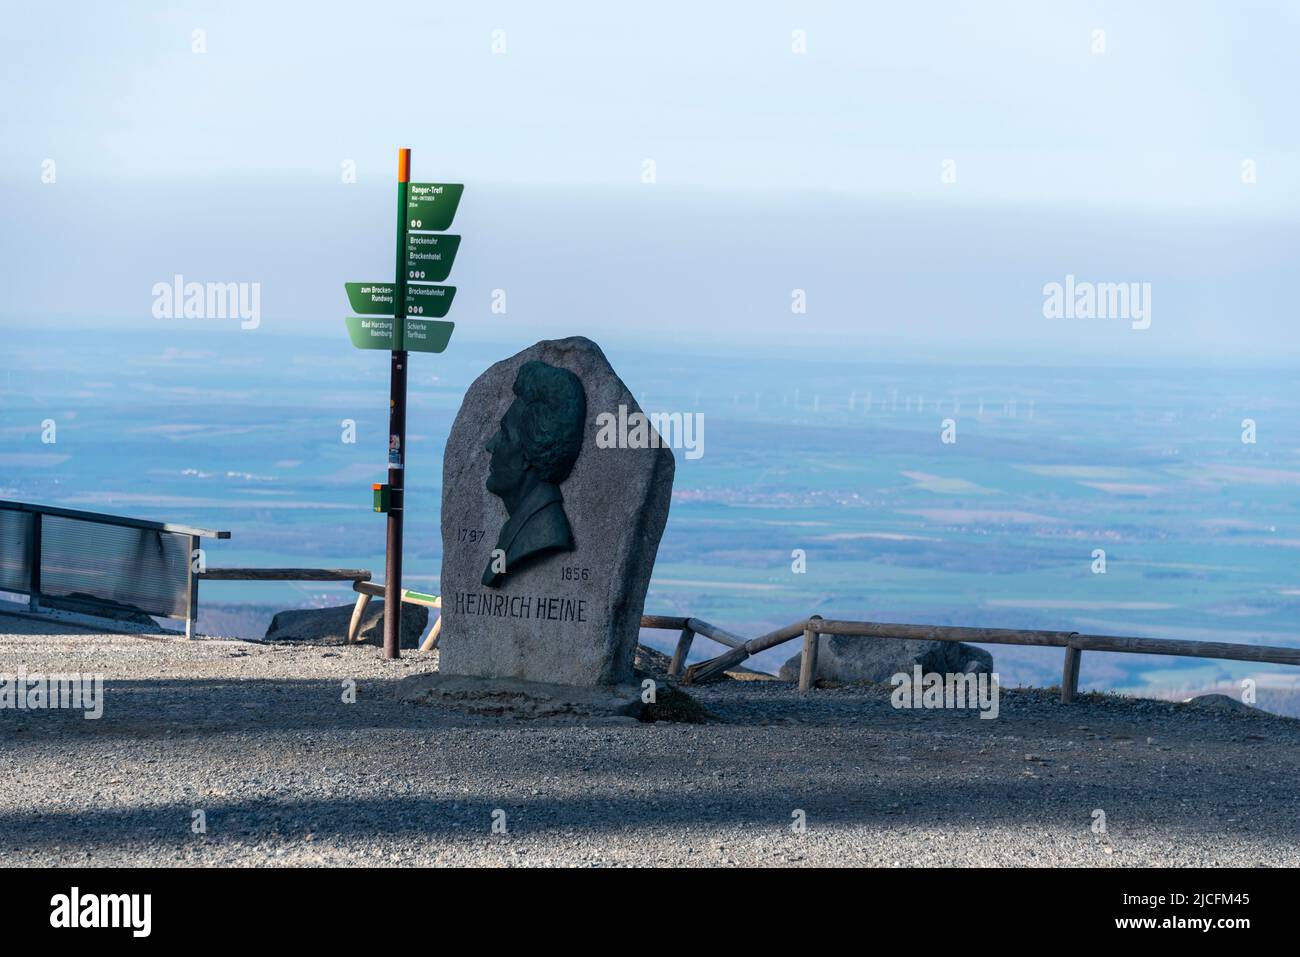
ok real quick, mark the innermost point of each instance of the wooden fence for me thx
(812, 628)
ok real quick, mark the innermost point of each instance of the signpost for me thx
(406, 316)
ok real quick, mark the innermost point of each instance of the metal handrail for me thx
(104, 518)
(35, 535)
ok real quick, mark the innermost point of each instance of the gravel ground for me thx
(258, 738)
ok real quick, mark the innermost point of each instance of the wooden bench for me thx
(355, 575)
(367, 590)
(361, 584)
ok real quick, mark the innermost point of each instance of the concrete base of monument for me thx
(513, 699)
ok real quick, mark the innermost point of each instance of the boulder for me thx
(651, 663)
(1221, 702)
(329, 626)
(846, 658)
(549, 528)
(81, 603)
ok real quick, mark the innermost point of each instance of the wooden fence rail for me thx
(285, 574)
(810, 629)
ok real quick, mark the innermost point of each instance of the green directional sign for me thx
(426, 300)
(432, 205)
(421, 335)
(372, 298)
(429, 258)
(427, 335)
(370, 333)
(378, 299)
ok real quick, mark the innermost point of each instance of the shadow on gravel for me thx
(884, 768)
(469, 818)
(140, 709)
(172, 708)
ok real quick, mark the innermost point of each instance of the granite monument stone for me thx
(549, 537)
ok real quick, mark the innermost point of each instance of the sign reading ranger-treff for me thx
(548, 539)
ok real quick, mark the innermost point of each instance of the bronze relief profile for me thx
(533, 451)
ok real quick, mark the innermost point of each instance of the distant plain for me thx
(841, 462)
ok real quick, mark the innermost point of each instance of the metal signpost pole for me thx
(397, 428)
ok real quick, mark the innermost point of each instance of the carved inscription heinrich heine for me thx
(535, 607)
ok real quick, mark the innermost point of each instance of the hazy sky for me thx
(774, 170)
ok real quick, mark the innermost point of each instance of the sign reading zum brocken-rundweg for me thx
(372, 298)
(401, 317)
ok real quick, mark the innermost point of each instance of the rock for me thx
(650, 662)
(673, 704)
(1221, 702)
(81, 603)
(655, 664)
(329, 626)
(581, 532)
(847, 658)
(741, 673)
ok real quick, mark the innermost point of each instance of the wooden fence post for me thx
(358, 612)
(431, 641)
(681, 652)
(1070, 676)
(808, 661)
